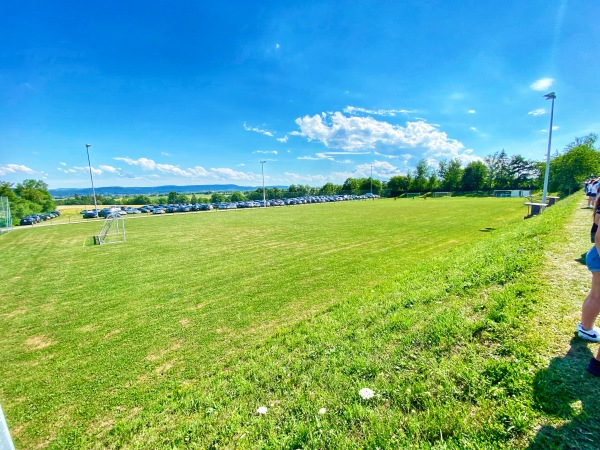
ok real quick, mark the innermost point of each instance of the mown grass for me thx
(176, 337)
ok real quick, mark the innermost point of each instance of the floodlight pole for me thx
(550, 96)
(87, 148)
(262, 168)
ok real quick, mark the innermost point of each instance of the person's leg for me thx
(591, 305)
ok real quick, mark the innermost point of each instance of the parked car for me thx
(90, 214)
(107, 211)
(26, 221)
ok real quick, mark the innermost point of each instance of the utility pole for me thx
(87, 148)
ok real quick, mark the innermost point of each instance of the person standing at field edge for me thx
(592, 192)
(591, 306)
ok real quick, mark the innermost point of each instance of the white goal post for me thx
(413, 194)
(113, 230)
(512, 193)
(442, 194)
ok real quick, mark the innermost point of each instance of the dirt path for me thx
(568, 396)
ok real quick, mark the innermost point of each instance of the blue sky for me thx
(196, 92)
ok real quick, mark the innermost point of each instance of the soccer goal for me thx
(442, 194)
(113, 230)
(5, 217)
(413, 194)
(512, 193)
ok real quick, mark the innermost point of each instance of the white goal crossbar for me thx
(442, 194)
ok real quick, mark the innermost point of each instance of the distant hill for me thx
(154, 190)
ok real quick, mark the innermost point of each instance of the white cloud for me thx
(110, 169)
(431, 162)
(386, 156)
(63, 164)
(258, 130)
(317, 157)
(473, 129)
(381, 169)
(375, 112)
(347, 153)
(165, 154)
(542, 84)
(60, 169)
(5, 169)
(471, 111)
(82, 169)
(293, 178)
(330, 156)
(196, 172)
(231, 174)
(283, 139)
(355, 134)
(545, 130)
(266, 152)
(537, 112)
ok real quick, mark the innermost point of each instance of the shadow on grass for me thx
(568, 393)
(581, 259)
(487, 229)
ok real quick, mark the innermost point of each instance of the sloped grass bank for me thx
(443, 347)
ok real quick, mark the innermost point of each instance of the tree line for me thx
(499, 171)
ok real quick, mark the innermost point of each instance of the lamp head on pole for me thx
(88, 146)
(550, 96)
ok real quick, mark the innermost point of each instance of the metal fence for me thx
(5, 217)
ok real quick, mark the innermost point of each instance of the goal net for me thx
(113, 230)
(512, 193)
(413, 194)
(441, 194)
(5, 217)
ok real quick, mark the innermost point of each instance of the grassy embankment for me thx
(176, 337)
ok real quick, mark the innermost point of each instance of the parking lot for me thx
(92, 214)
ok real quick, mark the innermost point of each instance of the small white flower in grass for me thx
(322, 411)
(366, 393)
(262, 410)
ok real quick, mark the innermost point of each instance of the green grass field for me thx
(174, 338)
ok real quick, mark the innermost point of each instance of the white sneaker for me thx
(589, 335)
